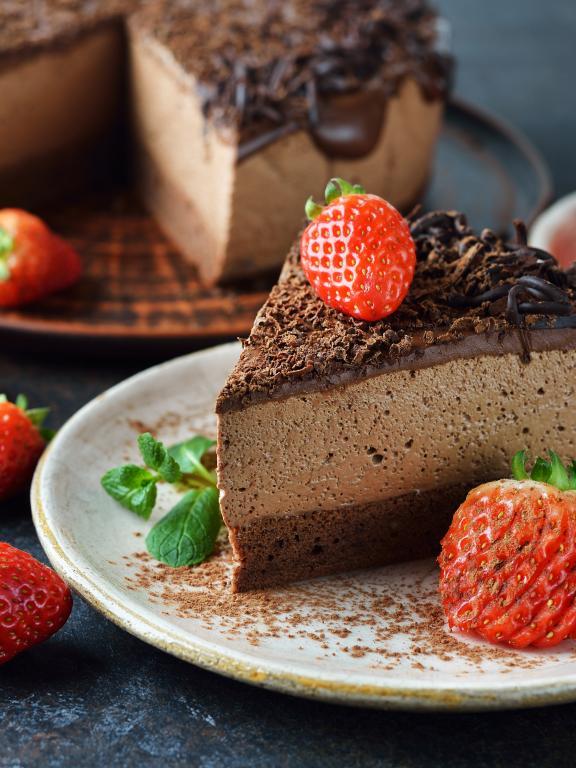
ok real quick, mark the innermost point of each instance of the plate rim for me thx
(411, 696)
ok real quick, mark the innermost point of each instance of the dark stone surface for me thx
(94, 696)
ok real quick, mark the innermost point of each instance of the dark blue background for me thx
(96, 696)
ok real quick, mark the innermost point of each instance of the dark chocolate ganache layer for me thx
(267, 67)
(472, 294)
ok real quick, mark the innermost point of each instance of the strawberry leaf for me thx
(519, 466)
(558, 475)
(6, 247)
(189, 455)
(21, 402)
(156, 456)
(540, 471)
(312, 209)
(187, 534)
(37, 415)
(337, 187)
(133, 487)
(572, 476)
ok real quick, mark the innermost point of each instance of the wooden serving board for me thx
(137, 292)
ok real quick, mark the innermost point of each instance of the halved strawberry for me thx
(508, 561)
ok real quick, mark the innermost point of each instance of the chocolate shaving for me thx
(262, 61)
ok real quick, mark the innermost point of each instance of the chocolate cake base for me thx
(280, 549)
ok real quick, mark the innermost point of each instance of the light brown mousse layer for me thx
(215, 208)
(369, 472)
(58, 105)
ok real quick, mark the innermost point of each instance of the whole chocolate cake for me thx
(225, 97)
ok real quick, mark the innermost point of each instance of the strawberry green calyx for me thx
(312, 209)
(36, 415)
(552, 472)
(6, 248)
(334, 189)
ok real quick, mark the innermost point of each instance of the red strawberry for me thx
(33, 261)
(508, 561)
(34, 602)
(22, 441)
(357, 252)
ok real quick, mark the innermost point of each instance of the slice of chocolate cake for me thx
(345, 444)
(230, 97)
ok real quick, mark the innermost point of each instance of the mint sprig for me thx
(553, 472)
(189, 456)
(133, 487)
(187, 533)
(156, 456)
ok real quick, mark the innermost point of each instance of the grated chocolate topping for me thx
(465, 284)
(24, 25)
(264, 63)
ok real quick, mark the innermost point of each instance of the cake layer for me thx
(276, 549)
(58, 105)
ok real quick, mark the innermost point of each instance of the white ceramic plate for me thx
(374, 638)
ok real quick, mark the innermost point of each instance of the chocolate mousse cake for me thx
(61, 92)
(345, 444)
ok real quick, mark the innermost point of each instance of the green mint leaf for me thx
(558, 475)
(189, 456)
(519, 466)
(187, 534)
(133, 487)
(540, 471)
(156, 457)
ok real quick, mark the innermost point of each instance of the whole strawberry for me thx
(22, 440)
(33, 260)
(508, 561)
(34, 602)
(357, 252)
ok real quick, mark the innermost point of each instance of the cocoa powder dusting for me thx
(332, 613)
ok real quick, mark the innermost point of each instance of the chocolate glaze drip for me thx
(264, 64)
(472, 294)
